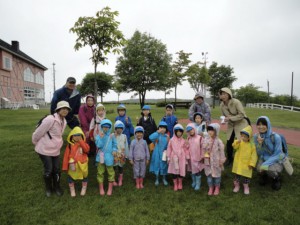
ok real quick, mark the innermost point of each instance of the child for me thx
(107, 148)
(245, 159)
(158, 165)
(196, 155)
(147, 122)
(214, 158)
(95, 122)
(122, 151)
(139, 156)
(128, 128)
(177, 154)
(170, 119)
(76, 160)
(200, 124)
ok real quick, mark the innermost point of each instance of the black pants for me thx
(229, 147)
(51, 164)
(119, 168)
(73, 122)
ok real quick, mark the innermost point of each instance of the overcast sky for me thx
(258, 38)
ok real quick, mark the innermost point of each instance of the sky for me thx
(258, 38)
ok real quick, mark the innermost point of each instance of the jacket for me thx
(128, 128)
(86, 114)
(76, 151)
(171, 122)
(245, 155)
(139, 150)
(43, 144)
(149, 126)
(204, 108)
(95, 125)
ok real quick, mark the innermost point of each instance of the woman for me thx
(48, 140)
(235, 117)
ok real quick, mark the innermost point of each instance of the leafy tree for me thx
(251, 94)
(198, 77)
(144, 66)
(221, 76)
(118, 88)
(284, 100)
(179, 68)
(104, 84)
(101, 34)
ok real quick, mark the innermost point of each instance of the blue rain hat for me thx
(189, 128)
(146, 107)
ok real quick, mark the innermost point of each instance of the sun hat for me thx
(121, 106)
(139, 129)
(62, 104)
(100, 106)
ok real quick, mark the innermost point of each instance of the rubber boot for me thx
(198, 183)
(175, 181)
(179, 183)
(246, 189)
(157, 180)
(193, 180)
(110, 188)
(137, 183)
(101, 189)
(211, 190)
(263, 179)
(217, 190)
(165, 180)
(120, 180)
(48, 185)
(236, 186)
(141, 182)
(56, 184)
(276, 185)
(115, 183)
(72, 189)
(83, 188)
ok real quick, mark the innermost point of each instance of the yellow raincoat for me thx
(245, 155)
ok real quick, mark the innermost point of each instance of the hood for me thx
(119, 124)
(216, 128)
(105, 121)
(121, 106)
(193, 126)
(198, 113)
(178, 126)
(199, 94)
(163, 124)
(89, 96)
(138, 128)
(269, 131)
(248, 131)
(76, 130)
(226, 90)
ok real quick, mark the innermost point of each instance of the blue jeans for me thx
(213, 181)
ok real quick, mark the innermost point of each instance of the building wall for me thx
(22, 83)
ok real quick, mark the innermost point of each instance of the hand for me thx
(260, 140)
(137, 119)
(126, 119)
(250, 167)
(239, 140)
(227, 118)
(131, 162)
(101, 134)
(114, 153)
(147, 162)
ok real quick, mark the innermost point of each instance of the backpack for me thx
(40, 122)
(283, 142)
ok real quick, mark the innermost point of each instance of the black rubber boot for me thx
(263, 179)
(276, 185)
(48, 184)
(56, 186)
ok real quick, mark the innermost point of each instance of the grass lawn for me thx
(23, 199)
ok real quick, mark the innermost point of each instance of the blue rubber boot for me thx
(157, 180)
(198, 183)
(165, 180)
(194, 180)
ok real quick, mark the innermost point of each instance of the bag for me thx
(151, 146)
(164, 155)
(40, 122)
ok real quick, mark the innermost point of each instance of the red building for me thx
(21, 77)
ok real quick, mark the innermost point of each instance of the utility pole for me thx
(268, 91)
(54, 77)
(292, 89)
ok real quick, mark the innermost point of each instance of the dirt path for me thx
(292, 136)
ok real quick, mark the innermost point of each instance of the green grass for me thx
(23, 200)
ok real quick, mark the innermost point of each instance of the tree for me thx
(251, 94)
(198, 77)
(118, 88)
(179, 68)
(221, 76)
(104, 84)
(101, 34)
(144, 66)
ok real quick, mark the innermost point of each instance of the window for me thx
(29, 93)
(40, 94)
(28, 75)
(39, 79)
(7, 63)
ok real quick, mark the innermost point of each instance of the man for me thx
(200, 106)
(70, 94)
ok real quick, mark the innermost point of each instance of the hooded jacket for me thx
(245, 155)
(139, 148)
(86, 114)
(269, 152)
(149, 126)
(237, 114)
(121, 139)
(204, 108)
(171, 122)
(128, 128)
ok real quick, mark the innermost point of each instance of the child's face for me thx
(105, 129)
(100, 112)
(169, 111)
(77, 138)
(146, 112)
(198, 119)
(139, 135)
(178, 133)
(90, 102)
(211, 133)
(162, 130)
(244, 138)
(119, 130)
(261, 128)
(191, 132)
(121, 112)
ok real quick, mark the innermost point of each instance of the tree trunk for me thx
(165, 97)
(214, 96)
(101, 97)
(143, 98)
(118, 98)
(141, 105)
(95, 84)
(175, 94)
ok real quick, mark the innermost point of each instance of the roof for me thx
(7, 47)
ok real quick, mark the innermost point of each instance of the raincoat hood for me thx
(138, 129)
(269, 127)
(216, 128)
(89, 96)
(192, 125)
(121, 106)
(199, 94)
(119, 124)
(178, 127)
(105, 121)
(226, 90)
(76, 130)
(248, 131)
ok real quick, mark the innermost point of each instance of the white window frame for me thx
(7, 63)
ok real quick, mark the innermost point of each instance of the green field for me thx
(23, 200)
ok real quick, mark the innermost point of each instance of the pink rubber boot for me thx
(83, 188)
(211, 190)
(236, 186)
(217, 190)
(175, 184)
(141, 182)
(72, 189)
(137, 183)
(101, 189)
(246, 189)
(120, 180)
(179, 183)
(110, 188)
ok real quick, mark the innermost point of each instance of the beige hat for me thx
(62, 104)
(199, 94)
(100, 106)
(226, 90)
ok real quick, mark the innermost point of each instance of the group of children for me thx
(202, 153)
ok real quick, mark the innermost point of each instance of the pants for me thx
(51, 164)
(73, 122)
(175, 176)
(71, 180)
(213, 181)
(139, 168)
(273, 170)
(101, 170)
(238, 178)
(229, 147)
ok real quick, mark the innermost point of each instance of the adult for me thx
(200, 106)
(235, 115)
(269, 151)
(48, 140)
(70, 94)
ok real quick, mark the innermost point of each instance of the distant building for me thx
(21, 77)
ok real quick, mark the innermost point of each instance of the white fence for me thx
(273, 106)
